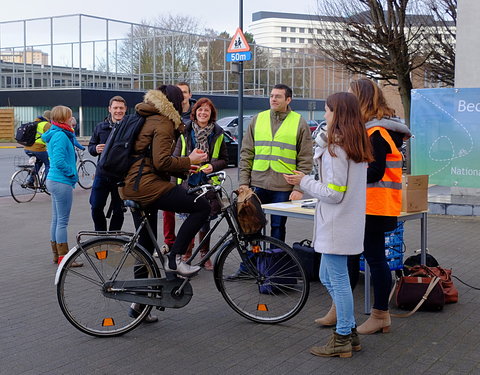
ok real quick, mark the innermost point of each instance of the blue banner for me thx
(446, 128)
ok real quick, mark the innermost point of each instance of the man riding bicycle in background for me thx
(39, 148)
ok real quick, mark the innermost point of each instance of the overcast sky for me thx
(220, 15)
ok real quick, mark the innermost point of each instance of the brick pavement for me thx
(207, 337)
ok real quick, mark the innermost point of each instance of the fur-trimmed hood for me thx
(154, 103)
(392, 123)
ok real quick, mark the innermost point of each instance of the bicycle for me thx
(26, 182)
(260, 277)
(86, 170)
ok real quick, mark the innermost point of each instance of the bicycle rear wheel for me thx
(19, 189)
(86, 174)
(85, 300)
(267, 284)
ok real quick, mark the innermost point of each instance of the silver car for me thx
(230, 124)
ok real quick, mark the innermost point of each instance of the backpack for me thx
(117, 156)
(26, 133)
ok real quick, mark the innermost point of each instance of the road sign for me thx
(238, 43)
(239, 56)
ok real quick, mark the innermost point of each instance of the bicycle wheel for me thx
(83, 297)
(19, 189)
(267, 284)
(86, 174)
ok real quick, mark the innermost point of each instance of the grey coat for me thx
(340, 216)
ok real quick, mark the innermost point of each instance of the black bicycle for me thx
(26, 182)
(260, 277)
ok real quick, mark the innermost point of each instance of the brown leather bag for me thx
(445, 275)
(250, 215)
(427, 287)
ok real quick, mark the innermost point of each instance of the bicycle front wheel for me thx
(84, 298)
(20, 189)
(86, 174)
(263, 280)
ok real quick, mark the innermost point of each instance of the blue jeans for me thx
(334, 276)
(62, 196)
(278, 223)
(104, 186)
(42, 158)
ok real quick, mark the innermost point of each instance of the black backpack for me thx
(26, 133)
(117, 156)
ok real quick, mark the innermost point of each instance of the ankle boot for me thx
(53, 244)
(204, 250)
(356, 347)
(378, 320)
(62, 249)
(174, 263)
(337, 346)
(330, 319)
(188, 253)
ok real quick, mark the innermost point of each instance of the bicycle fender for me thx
(64, 260)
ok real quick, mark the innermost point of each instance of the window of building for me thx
(302, 30)
(283, 49)
(284, 29)
(283, 39)
(293, 29)
(310, 41)
(301, 40)
(293, 40)
(310, 31)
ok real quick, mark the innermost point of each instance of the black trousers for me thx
(374, 253)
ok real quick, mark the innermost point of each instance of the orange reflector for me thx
(101, 254)
(262, 307)
(108, 322)
(255, 249)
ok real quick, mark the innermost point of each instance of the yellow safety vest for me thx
(40, 131)
(283, 146)
(216, 152)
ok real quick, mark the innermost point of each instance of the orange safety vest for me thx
(384, 197)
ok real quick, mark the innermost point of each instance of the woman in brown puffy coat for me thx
(162, 109)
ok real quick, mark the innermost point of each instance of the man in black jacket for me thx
(104, 186)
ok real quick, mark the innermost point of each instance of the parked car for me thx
(232, 149)
(230, 124)
(312, 124)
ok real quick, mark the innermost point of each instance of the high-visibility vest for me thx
(216, 153)
(269, 149)
(40, 131)
(384, 197)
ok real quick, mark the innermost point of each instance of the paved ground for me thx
(207, 337)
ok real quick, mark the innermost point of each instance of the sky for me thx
(220, 15)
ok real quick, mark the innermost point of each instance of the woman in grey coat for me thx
(340, 212)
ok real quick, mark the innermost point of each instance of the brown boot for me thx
(62, 249)
(378, 320)
(53, 244)
(337, 346)
(330, 319)
(356, 347)
(204, 250)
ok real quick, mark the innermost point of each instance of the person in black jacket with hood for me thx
(104, 186)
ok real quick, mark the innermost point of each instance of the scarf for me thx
(63, 126)
(202, 134)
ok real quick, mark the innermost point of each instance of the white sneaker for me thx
(183, 268)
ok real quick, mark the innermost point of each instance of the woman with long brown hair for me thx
(340, 212)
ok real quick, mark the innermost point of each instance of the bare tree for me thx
(442, 60)
(380, 39)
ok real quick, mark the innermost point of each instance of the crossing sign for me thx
(238, 43)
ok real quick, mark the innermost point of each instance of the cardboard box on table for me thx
(414, 193)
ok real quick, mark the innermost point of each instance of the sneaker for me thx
(135, 310)
(182, 268)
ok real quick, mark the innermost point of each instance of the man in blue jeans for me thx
(276, 134)
(104, 186)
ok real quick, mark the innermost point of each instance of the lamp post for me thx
(240, 85)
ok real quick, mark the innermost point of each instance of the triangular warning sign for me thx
(238, 43)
